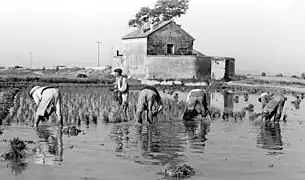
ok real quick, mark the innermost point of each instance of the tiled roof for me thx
(195, 52)
(146, 29)
(139, 32)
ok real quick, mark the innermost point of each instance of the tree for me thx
(163, 10)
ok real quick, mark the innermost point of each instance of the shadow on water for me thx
(270, 137)
(50, 146)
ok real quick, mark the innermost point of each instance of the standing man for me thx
(48, 100)
(147, 97)
(196, 97)
(122, 87)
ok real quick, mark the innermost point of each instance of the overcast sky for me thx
(263, 35)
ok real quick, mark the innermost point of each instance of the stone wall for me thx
(222, 67)
(218, 67)
(170, 34)
(203, 65)
(224, 100)
(135, 52)
(230, 67)
(177, 67)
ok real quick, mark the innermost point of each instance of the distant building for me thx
(59, 67)
(165, 51)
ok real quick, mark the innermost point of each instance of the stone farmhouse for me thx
(165, 51)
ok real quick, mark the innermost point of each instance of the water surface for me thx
(225, 149)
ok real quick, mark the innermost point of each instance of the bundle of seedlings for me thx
(117, 96)
(254, 116)
(71, 130)
(249, 108)
(179, 171)
(115, 116)
(17, 166)
(105, 116)
(17, 150)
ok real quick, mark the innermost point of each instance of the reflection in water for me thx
(196, 141)
(222, 100)
(228, 100)
(50, 148)
(158, 146)
(270, 137)
(121, 137)
(17, 167)
(161, 143)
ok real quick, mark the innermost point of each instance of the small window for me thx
(170, 49)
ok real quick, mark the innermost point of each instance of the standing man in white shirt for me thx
(123, 88)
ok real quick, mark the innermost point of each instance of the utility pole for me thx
(98, 53)
(31, 60)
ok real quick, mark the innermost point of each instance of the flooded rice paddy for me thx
(224, 149)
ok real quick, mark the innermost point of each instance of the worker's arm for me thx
(116, 83)
(160, 103)
(36, 98)
(264, 101)
(58, 109)
(205, 102)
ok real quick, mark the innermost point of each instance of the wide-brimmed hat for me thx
(118, 70)
(33, 90)
(260, 97)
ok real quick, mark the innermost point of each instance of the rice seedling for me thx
(87, 104)
(17, 150)
(179, 171)
(17, 167)
(71, 131)
(93, 105)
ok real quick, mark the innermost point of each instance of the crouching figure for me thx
(194, 98)
(274, 107)
(147, 98)
(48, 100)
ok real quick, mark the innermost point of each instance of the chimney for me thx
(148, 25)
(150, 21)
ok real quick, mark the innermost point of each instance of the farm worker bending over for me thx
(196, 97)
(48, 100)
(274, 107)
(147, 97)
(123, 88)
(264, 98)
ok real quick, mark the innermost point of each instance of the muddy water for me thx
(224, 149)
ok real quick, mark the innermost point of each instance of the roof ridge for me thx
(139, 32)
